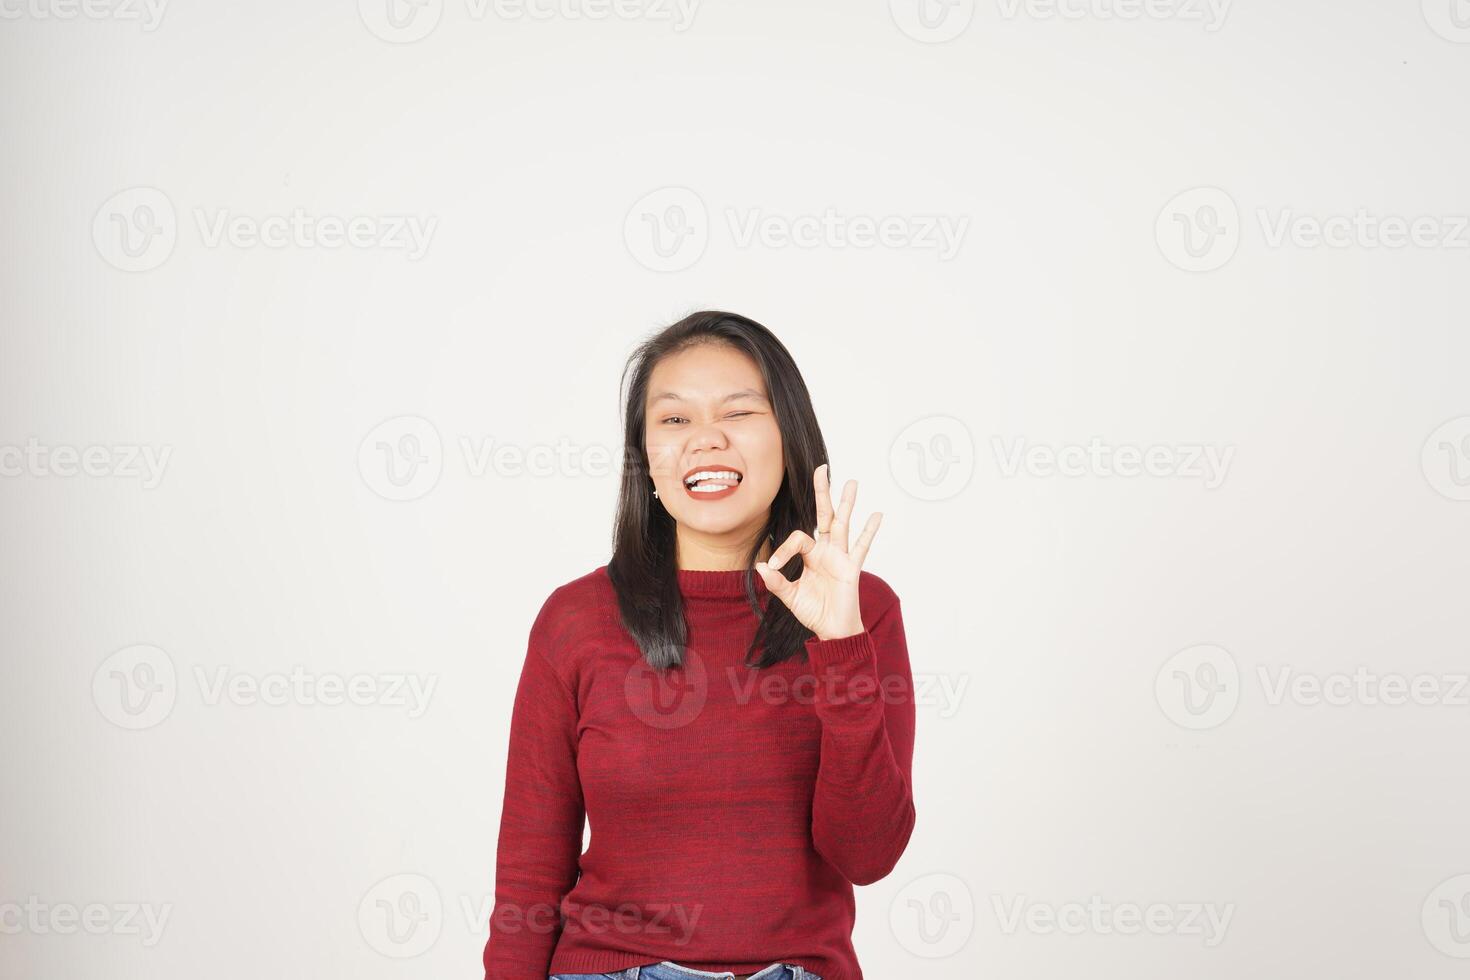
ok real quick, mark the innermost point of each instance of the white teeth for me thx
(712, 475)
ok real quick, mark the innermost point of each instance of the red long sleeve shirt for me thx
(731, 809)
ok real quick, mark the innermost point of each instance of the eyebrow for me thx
(732, 396)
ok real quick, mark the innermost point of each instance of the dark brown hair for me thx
(643, 567)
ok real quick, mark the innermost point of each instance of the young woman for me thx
(742, 762)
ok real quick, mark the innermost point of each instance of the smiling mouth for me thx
(712, 482)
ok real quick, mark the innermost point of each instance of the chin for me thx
(703, 524)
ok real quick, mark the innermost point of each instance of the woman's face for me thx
(708, 411)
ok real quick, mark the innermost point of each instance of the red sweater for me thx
(732, 810)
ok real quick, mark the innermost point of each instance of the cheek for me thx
(763, 451)
(658, 453)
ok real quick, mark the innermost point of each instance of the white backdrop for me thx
(1142, 322)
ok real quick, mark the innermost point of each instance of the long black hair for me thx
(643, 568)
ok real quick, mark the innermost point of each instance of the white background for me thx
(1067, 614)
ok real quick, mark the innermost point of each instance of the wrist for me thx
(840, 633)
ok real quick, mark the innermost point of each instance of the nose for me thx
(707, 437)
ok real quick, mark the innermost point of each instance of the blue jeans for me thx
(673, 971)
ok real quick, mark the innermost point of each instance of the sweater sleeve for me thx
(541, 820)
(863, 806)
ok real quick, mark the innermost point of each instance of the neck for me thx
(696, 550)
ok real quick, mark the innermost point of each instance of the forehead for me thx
(705, 372)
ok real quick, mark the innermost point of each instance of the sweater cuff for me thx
(841, 651)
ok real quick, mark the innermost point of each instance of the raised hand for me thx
(825, 598)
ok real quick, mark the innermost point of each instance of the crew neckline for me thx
(708, 582)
